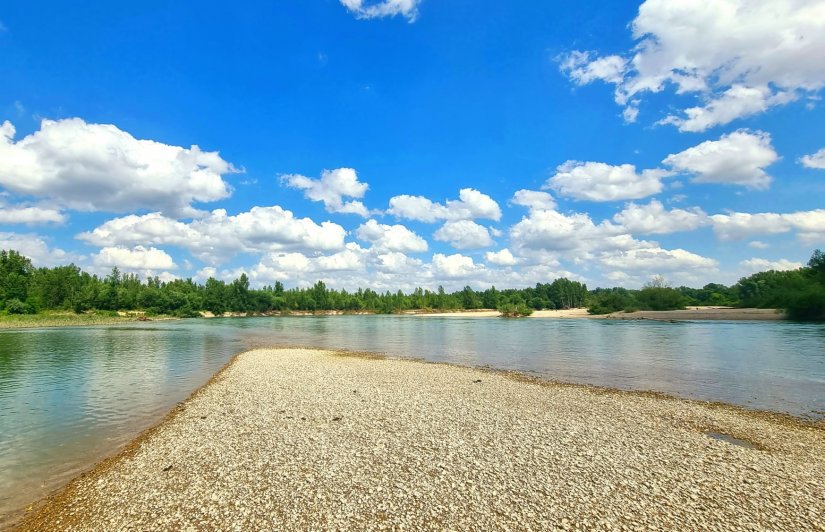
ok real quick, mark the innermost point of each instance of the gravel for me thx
(307, 439)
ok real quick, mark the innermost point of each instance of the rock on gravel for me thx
(306, 439)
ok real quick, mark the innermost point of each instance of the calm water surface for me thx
(70, 396)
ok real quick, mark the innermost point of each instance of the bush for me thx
(608, 301)
(807, 304)
(511, 310)
(186, 312)
(660, 298)
(15, 306)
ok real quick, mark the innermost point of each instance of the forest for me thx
(25, 289)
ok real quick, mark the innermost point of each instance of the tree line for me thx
(26, 289)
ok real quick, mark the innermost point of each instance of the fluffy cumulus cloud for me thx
(98, 167)
(738, 57)
(367, 9)
(464, 234)
(739, 158)
(761, 265)
(741, 225)
(574, 235)
(30, 214)
(635, 266)
(503, 257)
(809, 225)
(606, 248)
(350, 268)
(37, 248)
(454, 266)
(471, 205)
(391, 237)
(594, 181)
(653, 218)
(331, 189)
(137, 258)
(815, 160)
(217, 236)
(533, 199)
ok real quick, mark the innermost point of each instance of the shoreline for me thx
(715, 417)
(689, 314)
(48, 321)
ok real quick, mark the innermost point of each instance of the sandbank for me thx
(307, 439)
(702, 313)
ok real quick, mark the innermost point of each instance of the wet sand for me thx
(308, 439)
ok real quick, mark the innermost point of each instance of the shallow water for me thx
(71, 395)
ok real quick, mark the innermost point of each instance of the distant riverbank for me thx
(307, 439)
(690, 313)
(71, 319)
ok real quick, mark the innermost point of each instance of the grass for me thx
(63, 318)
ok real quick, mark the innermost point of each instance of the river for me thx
(69, 396)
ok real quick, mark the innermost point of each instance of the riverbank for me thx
(70, 319)
(489, 313)
(305, 439)
(701, 313)
(691, 313)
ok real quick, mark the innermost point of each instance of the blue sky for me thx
(400, 143)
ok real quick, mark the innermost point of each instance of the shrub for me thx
(511, 310)
(15, 306)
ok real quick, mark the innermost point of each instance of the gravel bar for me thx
(301, 439)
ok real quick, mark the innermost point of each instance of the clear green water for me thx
(70, 396)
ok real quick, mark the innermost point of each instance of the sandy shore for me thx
(691, 313)
(303, 439)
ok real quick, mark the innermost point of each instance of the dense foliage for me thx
(25, 289)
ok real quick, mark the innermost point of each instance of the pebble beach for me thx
(308, 439)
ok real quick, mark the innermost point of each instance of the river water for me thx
(69, 396)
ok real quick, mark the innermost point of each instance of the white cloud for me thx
(739, 57)
(454, 266)
(331, 189)
(464, 234)
(36, 248)
(216, 236)
(205, 273)
(397, 263)
(367, 9)
(98, 167)
(603, 182)
(533, 199)
(30, 215)
(575, 234)
(654, 219)
(735, 102)
(810, 225)
(815, 160)
(471, 204)
(757, 244)
(583, 69)
(391, 237)
(501, 258)
(738, 158)
(741, 225)
(137, 258)
(763, 265)
(657, 260)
